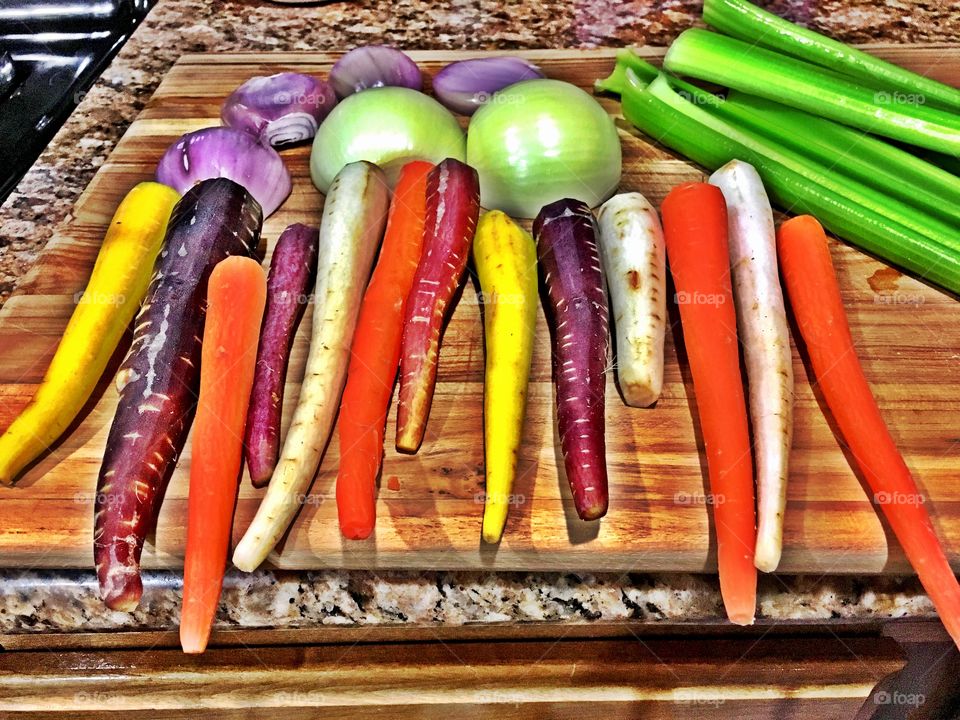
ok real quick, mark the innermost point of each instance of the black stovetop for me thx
(51, 52)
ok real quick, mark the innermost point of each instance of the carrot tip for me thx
(356, 531)
(741, 617)
(193, 643)
(592, 512)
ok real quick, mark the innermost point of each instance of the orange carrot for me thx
(375, 354)
(815, 298)
(236, 296)
(695, 229)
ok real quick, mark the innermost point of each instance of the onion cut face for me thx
(539, 141)
(387, 126)
(225, 152)
(467, 85)
(279, 109)
(374, 66)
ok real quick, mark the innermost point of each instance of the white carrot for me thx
(762, 326)
(354, 216)
(631, 242)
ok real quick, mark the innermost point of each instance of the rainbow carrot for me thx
(375, 354)
(236, 296)
(695, 229)
(453, 206)
(815, 298)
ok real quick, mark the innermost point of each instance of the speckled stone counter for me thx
(67, 601)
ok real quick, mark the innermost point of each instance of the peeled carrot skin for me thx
(236, 299)
(375, 355)
(818, 307)
(142, 447)
(695, 228)
(569, 255)
(291, 276)
(453, 206)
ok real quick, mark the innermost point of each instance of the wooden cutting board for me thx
(907, 333)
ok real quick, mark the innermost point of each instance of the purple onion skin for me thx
(279, 109)
(291, 275)
(225, 152)
(374, 66)
(466, 85)
(567, 249)
(159, 379)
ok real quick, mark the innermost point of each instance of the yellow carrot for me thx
(506, 261)
(113, 294)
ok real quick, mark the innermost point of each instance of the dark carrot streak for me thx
(158, 379)
(291, 276)
(569, 256)
(453, 206)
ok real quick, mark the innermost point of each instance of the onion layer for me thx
(387, 126)
(279, 109)
(225, 152)
(466, 85)
(374, 66)
(540, 141)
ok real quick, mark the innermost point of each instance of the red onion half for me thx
(279, 109)
(226, 152)
(466, 85)
(374, 66)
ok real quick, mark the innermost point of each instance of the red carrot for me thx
(453, 206)
(235, 299)
(695, 229)
(568, 253)
(815, 298)
(292, 269)
(375, 354)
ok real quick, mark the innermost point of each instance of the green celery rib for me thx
(626, 58)
(901, 212)
(855, 154)
(752, 24)
(755, 70)
(687, 128)
(862, 157)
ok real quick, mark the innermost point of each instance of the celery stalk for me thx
(808, 188)
(626, 58)
(713, 110)
(755, 70)
(754, 25)
(855, 154)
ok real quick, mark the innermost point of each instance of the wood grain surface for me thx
(751, 678)
(907, 333)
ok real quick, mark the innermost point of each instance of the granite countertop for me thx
(62, 601)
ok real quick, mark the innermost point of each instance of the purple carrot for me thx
(158, 379)
(567, 249)
(453, 205)
(291, 275)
